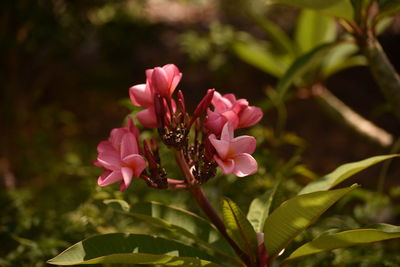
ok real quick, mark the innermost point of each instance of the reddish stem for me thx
(205, 205)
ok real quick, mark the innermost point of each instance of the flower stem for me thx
(205, 205)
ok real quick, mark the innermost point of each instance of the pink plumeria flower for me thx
(234, 154)
(160, 80)
(119, 156)
(227, 108)
(163, 80)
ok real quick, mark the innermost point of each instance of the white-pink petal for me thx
(221, 146)
(136, 163)
(227, 166)
(245, 165)
(250, 116)
(227, 132)
(243, 144)
(109, 177)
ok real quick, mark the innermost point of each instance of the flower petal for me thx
(250, 116)
(136, 163)
(127, 177)
(129, 145)
(174, 76)
(141, 95)
(244, 165)
(227, 132)
(108, 178)
(147, 117)
(220, 103)
(243, 144)
(109, 159)
(116, 137)
(104, 146)
(214, 122)
(227, 166)
(221, 146)
(159, 81)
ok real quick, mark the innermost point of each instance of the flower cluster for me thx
(213, 143)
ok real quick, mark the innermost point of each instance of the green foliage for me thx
(118, 248)
(295, 215)
(343, 240)
(342, 173)
(239, 229)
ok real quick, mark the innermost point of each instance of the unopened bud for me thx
(154, 149)
(149, 156)
(203, 105)
(160, 111)
(181, 102)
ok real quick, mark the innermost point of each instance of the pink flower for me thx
(163, 80)
(160, 80)
(227, 108)
(233, 154)
(119, 156)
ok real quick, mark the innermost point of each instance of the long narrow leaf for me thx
(343, 240)
(260, 209)
(131, 249)
(239, 228)
(300, 66)
(295, 215)
(341, 173)
(313, 29)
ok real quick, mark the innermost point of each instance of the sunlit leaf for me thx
(261, 56)
(131, 249)
(295, 215)
(337, 8)
(260, 209)
(174, 232)
(239, 228)
(313, 29)
(343, 240)
(341, 173)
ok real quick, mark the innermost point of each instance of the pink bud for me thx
(203, 105)
(164, 79)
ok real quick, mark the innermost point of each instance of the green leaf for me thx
(343, 240)
(131, 249)
(313, 29)
(117, 204)
(193, 223)
(239, 228)
(388, 8)
(341, 173)
(174, 232)
(295, 215)
(260, 208)
(342, 57)
(278, 36)
(300, 66)
(260, 55)
(337, 8)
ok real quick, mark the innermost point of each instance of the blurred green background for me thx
(65, 70)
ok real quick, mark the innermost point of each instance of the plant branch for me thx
(352, 119)
(205, 205)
